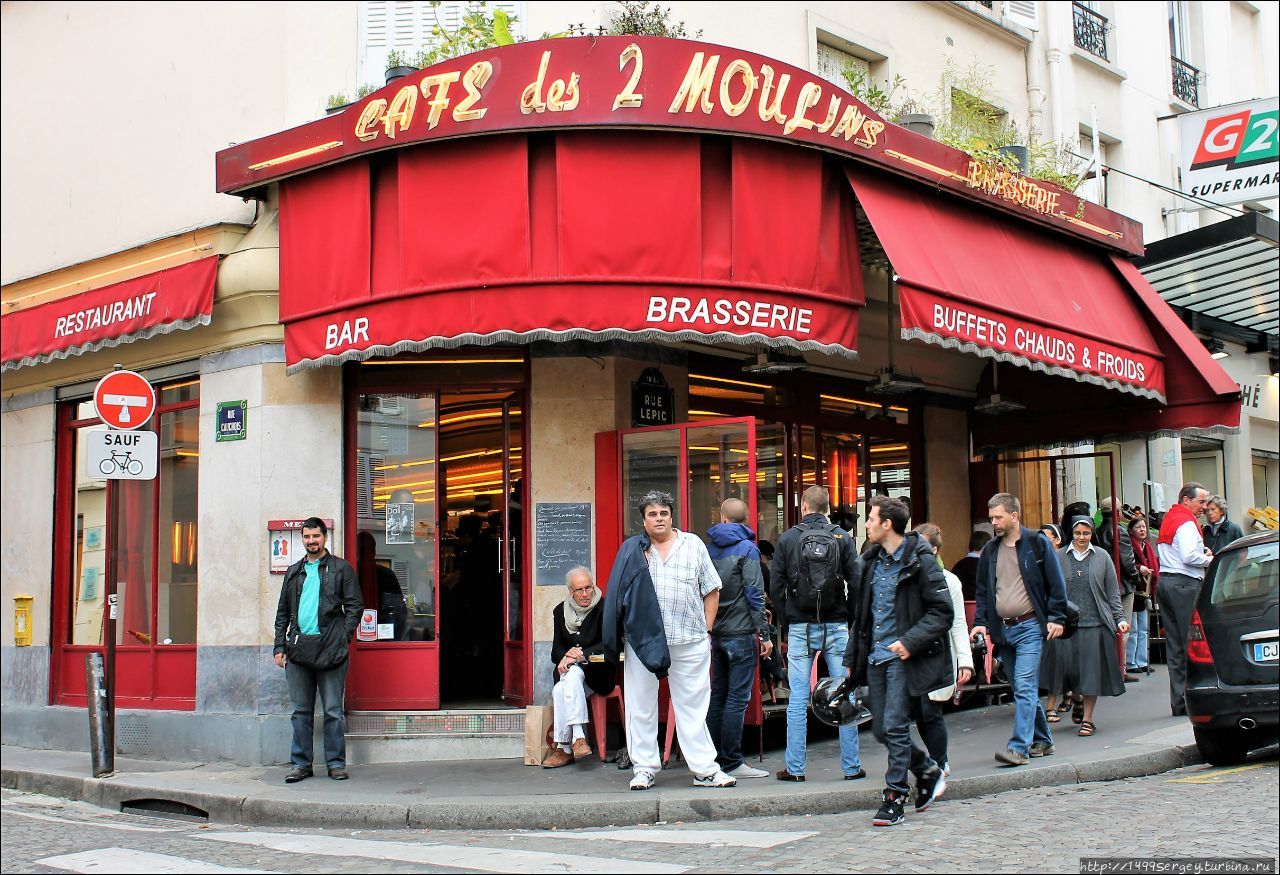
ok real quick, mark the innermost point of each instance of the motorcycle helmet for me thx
(832, 701)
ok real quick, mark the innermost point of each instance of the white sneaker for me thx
(746, 771)
(643, 780)
(719, 779)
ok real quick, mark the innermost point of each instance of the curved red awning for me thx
(971, 280)
(168, 300)
(576, 235)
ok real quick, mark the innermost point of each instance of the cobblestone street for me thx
(1193, 812)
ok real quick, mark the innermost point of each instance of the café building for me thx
(485, 308)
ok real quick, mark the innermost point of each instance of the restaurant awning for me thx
(970, 279)
(168, 300)
(580, 236)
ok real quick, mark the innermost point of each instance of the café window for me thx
(152, 552)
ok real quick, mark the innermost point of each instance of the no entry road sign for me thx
(124, 400)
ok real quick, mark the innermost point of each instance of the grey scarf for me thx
(574, 614)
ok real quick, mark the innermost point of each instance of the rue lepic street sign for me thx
(125, 401)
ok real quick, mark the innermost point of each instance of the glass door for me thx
(699, 464)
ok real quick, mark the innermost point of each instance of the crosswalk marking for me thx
(455, 856)
(126, 860)
(739, 838)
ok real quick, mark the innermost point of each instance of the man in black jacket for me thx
(815, 621)
(320, 604)
(1022, 602)
(902, 612)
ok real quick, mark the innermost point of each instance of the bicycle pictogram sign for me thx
(121, 455)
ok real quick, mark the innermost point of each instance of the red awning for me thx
(971, 280)
(590, 236)
(157, 303)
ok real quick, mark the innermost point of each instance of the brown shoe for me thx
(581, 750)
(556, 759)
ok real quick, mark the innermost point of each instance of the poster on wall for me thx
(400, 522)
(281, 552)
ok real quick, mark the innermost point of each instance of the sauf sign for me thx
(1231, 154)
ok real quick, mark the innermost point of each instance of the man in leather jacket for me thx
(319, 597)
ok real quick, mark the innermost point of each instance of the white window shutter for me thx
(1022, 12)
(406, 26)
(832, 61)
(369, 480)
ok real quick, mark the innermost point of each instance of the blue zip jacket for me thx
(1046, 587)
(737, 559)
(631, 610)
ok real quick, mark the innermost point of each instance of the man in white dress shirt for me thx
(1183, 560)
(688, 590)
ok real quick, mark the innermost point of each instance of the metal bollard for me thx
(100, 735)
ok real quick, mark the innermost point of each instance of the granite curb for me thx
(270, 809)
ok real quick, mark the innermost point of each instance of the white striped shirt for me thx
(682, 581)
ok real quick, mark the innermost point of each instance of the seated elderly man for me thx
(577, 638)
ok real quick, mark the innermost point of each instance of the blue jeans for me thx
(803, 641)
(1135, 655)
(891, 702)
(303, 683)
(733, 671)
(1021, 657)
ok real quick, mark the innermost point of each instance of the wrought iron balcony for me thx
(1186, 82)
(1091, 30)
(990, 4)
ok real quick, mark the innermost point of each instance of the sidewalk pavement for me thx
(1136, 736)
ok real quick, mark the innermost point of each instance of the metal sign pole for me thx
(109, 730)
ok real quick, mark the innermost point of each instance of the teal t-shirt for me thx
(309, 601)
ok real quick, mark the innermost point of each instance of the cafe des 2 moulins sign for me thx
(651, 83)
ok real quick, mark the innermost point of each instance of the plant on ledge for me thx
(967, 118)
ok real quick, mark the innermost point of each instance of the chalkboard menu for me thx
(562, 536)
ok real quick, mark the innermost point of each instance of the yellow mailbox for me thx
(22, 620)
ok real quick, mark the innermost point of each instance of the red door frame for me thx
(387, 663)
(611, 494)
(141, 669)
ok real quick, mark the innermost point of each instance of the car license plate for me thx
(1267, 652)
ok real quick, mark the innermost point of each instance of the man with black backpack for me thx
(811, 572)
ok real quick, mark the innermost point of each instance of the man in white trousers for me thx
(688, 593)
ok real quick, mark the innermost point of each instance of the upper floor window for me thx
(1094, 186)
(1186, 78)
(833, 63)
(1090, 27)
(409, 26)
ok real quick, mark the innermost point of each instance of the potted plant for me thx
(397, 66)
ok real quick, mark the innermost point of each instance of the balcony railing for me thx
(1091, 30)
(1186, 82)
(990, 4)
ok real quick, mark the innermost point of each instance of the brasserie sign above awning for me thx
(651, 83)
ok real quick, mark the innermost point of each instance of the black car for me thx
(1233, 652)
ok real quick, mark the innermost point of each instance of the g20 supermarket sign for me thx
(1231, 154)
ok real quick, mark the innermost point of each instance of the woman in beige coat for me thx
(927, 710)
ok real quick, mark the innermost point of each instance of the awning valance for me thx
(971, 280)
(157, 303)
(580, 236)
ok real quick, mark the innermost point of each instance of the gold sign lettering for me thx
(561, 96)
(370, 116)
(808, 99)
(696, 87)
(1003, 183)
(741, 69)
(438, 102)
(473, 80)
(401, 112)
(772, 112)
(628, 96)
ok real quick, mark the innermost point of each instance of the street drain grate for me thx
(167, 809)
